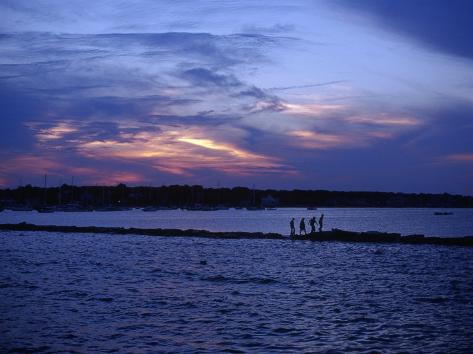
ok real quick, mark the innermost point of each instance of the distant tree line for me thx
(186, 196)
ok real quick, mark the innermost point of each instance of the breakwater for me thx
(140, 231)
(333, 235)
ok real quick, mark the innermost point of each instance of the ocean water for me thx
(102, 293)
(404, 221)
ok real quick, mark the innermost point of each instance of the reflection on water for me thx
(89, 293)
(404, 221)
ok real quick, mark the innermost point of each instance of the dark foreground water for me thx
(100, 293)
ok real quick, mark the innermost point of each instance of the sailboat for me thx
(253, 204)
(44, 208)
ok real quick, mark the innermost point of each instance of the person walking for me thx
(302, 227)
(321, 222)
(293, 229)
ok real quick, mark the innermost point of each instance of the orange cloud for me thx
(462, 158)
(56, 132)
(313, 109)
(3, 181)
(383, 119)
(116, 177)
(380, 134)
(181, 150)
(33, 165)
(29, 162)
(323, 141)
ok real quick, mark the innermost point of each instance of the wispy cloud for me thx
(384, 120)
(320, 84)
(323, 141)
(460, 158)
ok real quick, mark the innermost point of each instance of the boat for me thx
(107, 208)
(150, 208)
(20, 208)
(73, 208)
(206, 208)
(45, 210)
(443, 213)
(112, 208)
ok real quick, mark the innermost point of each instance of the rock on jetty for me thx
(333, 235)
(138, 231)
(384, 237)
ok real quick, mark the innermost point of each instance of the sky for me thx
(373, 95)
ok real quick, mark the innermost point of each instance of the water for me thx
(404, 221)
(102, 293)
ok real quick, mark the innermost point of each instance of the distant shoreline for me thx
(196, 196)
(325, 236)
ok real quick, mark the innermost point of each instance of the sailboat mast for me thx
(45, 198)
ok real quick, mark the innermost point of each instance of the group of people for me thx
(312, 223)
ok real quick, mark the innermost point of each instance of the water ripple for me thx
(99, 293)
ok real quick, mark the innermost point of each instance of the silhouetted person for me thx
(312, 223)
(321, 222)
(302, 227)
(293, 229)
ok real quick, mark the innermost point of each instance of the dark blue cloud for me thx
(202, 119)
(202, 77)
(444, 25)
(16, 109)
(116, 106)
(450, 130)
(270, 101)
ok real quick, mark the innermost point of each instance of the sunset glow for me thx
(215, 91)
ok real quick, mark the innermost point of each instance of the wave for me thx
(230, 280)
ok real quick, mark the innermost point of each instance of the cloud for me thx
(312, 109)
(30, 168)
(56, 132)
(277, 28)
(202, 77)
(384, 120)
(320, 84)
(173, 149)
(323, 141)
(444, 26)
(263, 101)
(17, 108)
(137, 61)
(133, 74)
(79, 97)
(448, 132)
(181, 150)
(461, 158)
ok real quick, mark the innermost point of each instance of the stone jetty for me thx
(333, 235)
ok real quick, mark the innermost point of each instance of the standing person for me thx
(302, 227)
(293, 229)
(312, 223)
(321, 222)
